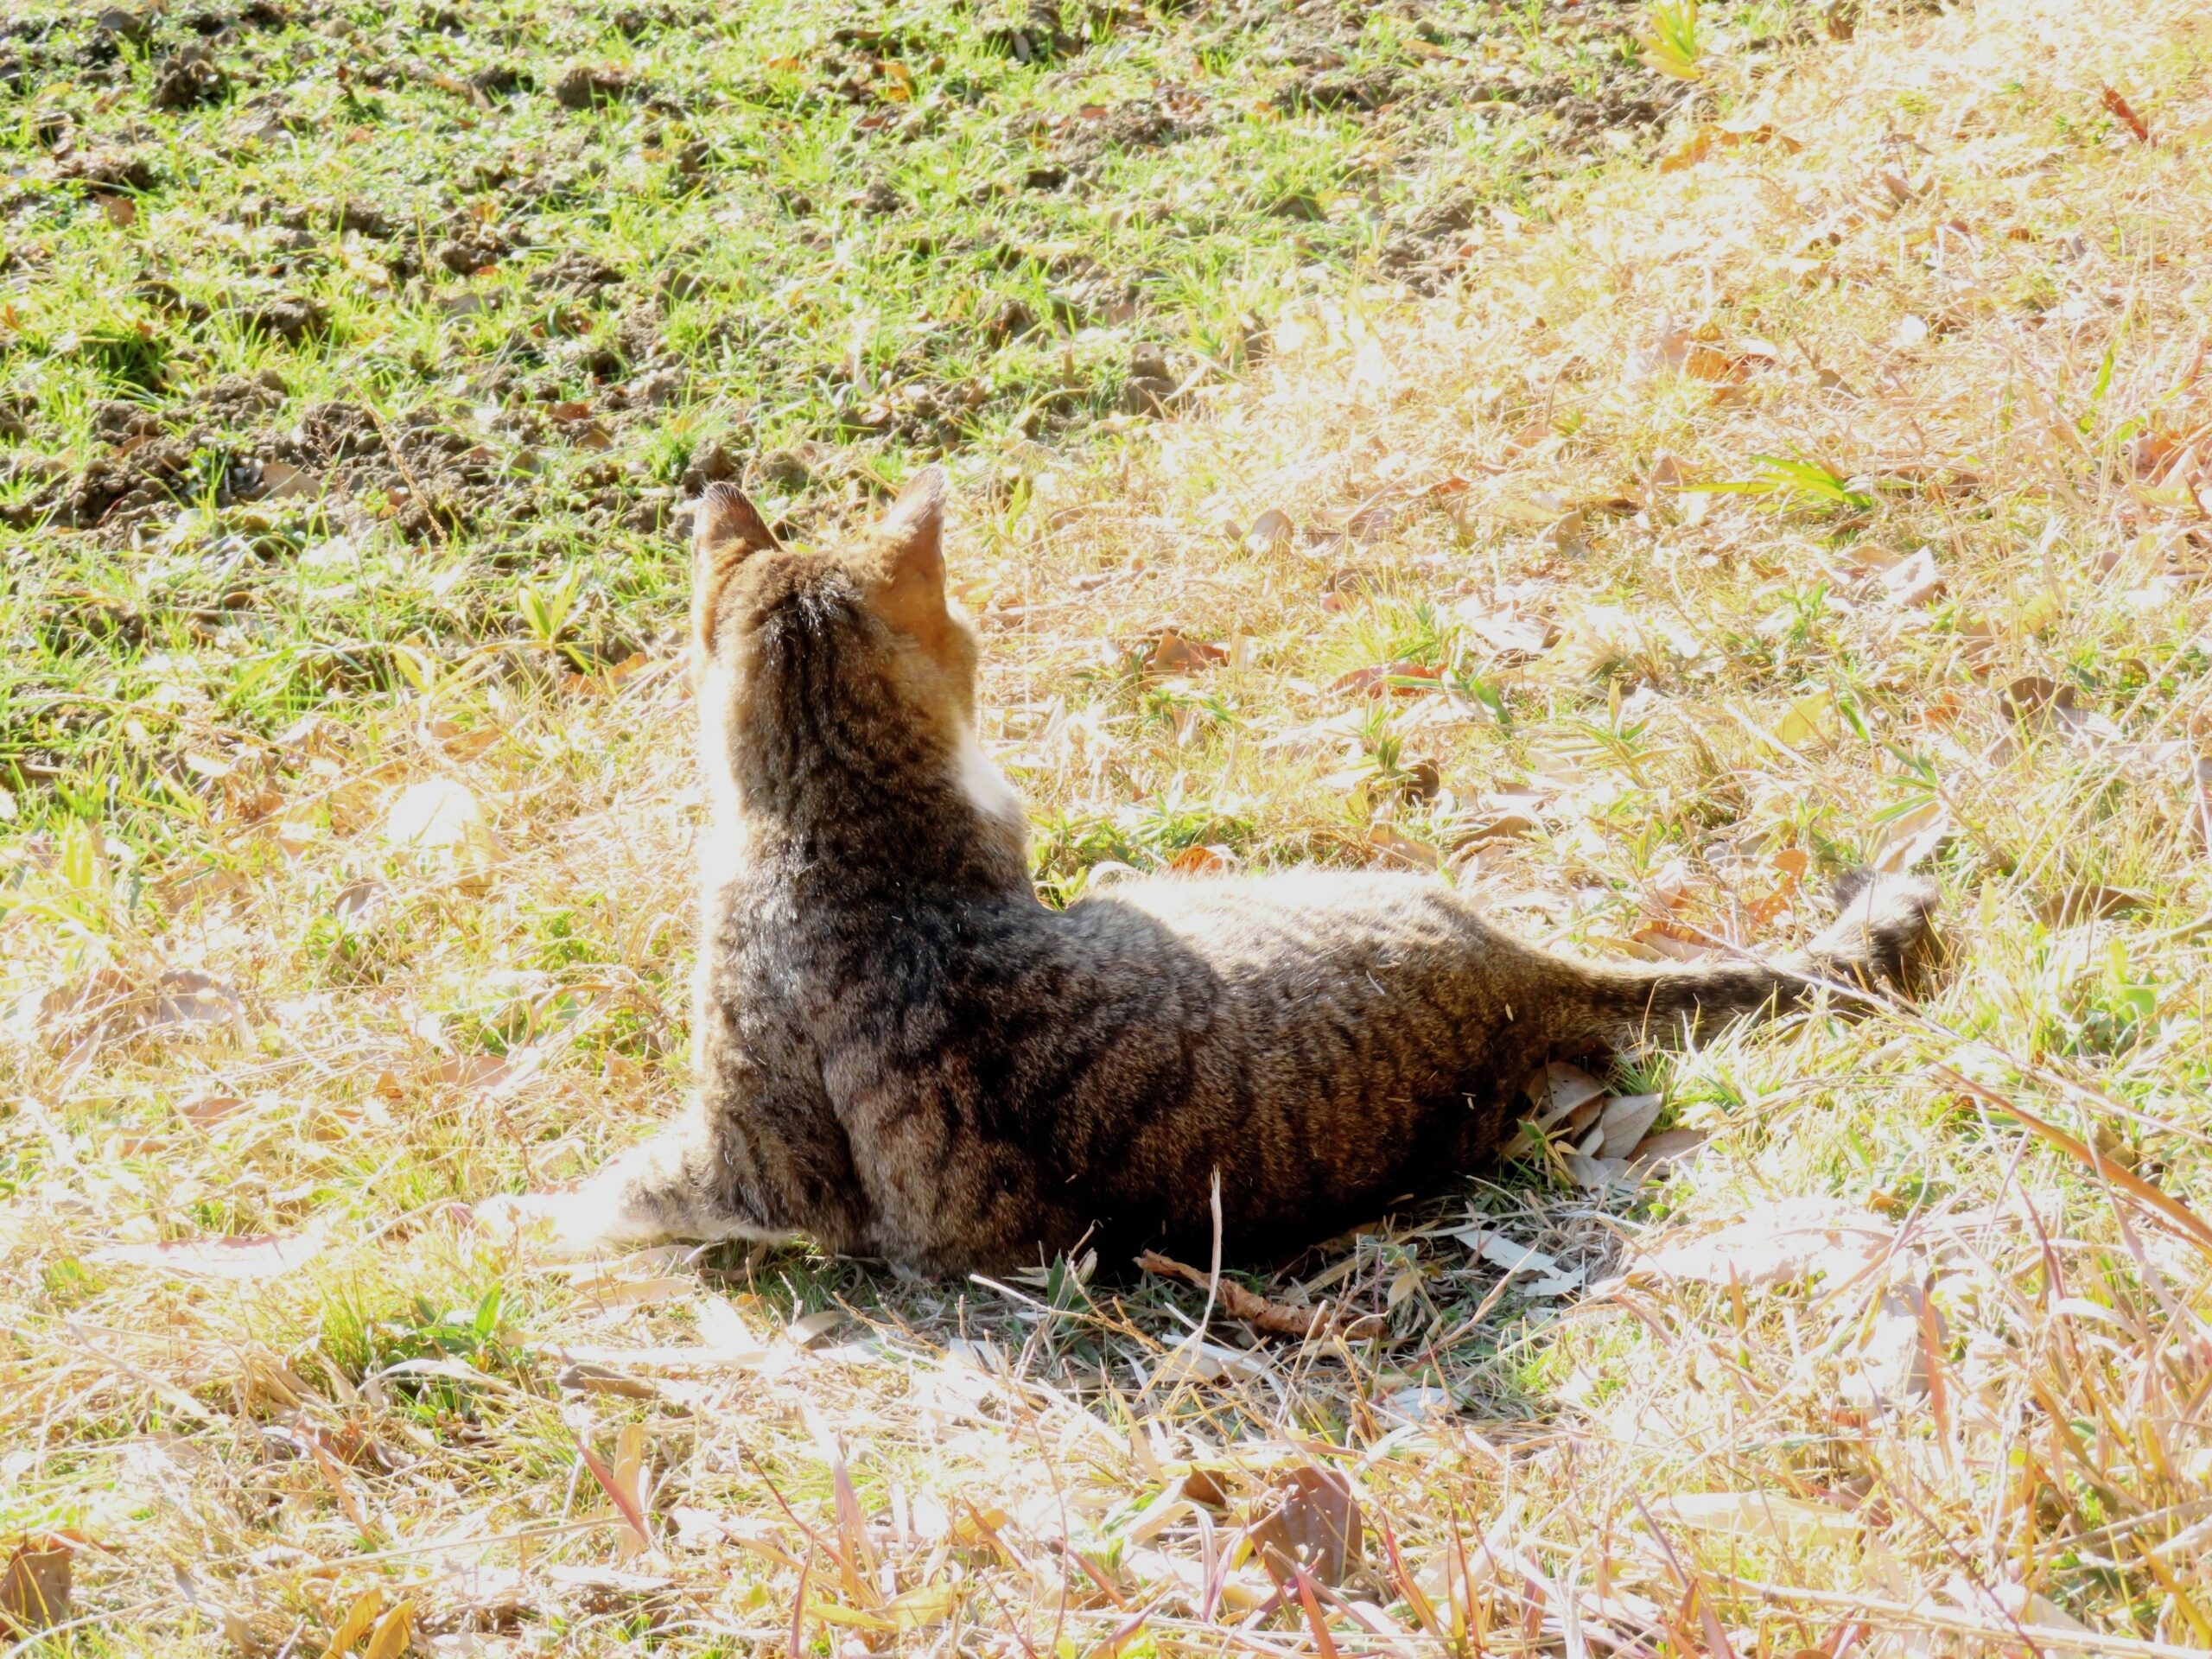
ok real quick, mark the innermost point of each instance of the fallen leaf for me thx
(1788, 1523)
(1623, 1121)
(1203, 1361)
(1513, 1258)
(1594, 1174)
(2034, 695)
(1887, 1367)
(1173, 654)
(1669, 1146)
(1401, 679)
(186, 1003)
(470, 1071)
(1779, 1242)
(240, 1256)
(1912, 581)
(630, 1480)
(360, 1619)
(282, 481)
(1270, 530)
(35, 1585)
(810, 1328)
(443, 821)
(1203, 860)
(1558, 1090)
(2088, 902)
(1395, 849)
(1913, 836)
(1311, 1520)
(1809, 718)
(2124, 112)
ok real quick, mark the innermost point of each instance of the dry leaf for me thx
(1888, 1367)
(360, 1619)
(1912, 581)
(1175, 654)
(35, 1585)
(1401, 679)
(1558, 1090)
(242, 1256)
(1191, 1361)
(630, 1482)
(1203, 860)
(443, 821)
(1623, 1121)
(2088, 902)
(1811, 718)
(1787, 1523)
(1395, 850)
(1779, 1242)
(282, 481)
(2124, 112)
(1312, 1523)
(1594, 1174)
(1913, 836)
(392, 1636)
(1271, 529)
(1669, 1146)
(810, 1328)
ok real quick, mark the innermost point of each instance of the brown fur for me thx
(902, 1052)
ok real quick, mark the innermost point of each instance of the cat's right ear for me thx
(728, 530)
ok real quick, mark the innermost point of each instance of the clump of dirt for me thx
(1150, 388)
(292, 318)
(187, 79)
(577, 273)
(471, 247)
(437, 481)
(144, 476)
(107, 169)
(1149, 123)
(587, 86)
(503, 81)
(237, 400)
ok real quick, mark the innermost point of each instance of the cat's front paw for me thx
(543, 1224)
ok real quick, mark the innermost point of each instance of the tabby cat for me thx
(900, 1052)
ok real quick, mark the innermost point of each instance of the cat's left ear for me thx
(910, 592)
(729, 530)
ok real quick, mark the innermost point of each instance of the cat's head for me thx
(850, 656)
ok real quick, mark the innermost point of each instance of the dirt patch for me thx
(587, 86)
(186, 79)
(107, 169)
(578, 274)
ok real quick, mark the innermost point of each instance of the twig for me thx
(1943, 1618)
(1276, 1319)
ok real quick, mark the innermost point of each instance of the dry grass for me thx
(1931, 271)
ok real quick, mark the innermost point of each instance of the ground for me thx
(1637, 464)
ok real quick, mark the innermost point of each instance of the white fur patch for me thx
(980, 780)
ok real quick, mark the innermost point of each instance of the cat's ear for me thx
(728, 530)
(909, 592)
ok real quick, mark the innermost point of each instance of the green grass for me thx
(810, 243)
(212, 698)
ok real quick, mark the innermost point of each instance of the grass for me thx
(1579, 557)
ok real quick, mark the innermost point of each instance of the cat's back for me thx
(1242, 925)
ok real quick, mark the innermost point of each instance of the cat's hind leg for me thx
(667, 1188)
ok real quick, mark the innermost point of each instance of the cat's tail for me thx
(1872, 944)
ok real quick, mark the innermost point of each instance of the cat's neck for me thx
(858, 833)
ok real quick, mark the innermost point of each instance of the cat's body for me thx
(902, 1052)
